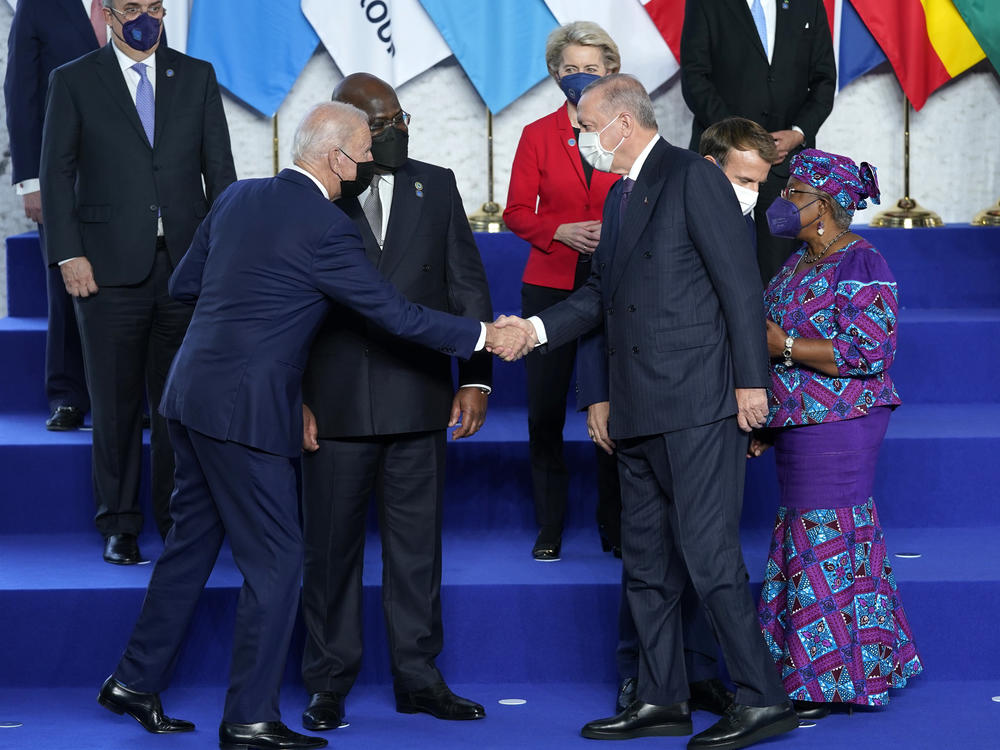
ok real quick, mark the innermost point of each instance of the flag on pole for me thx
(856, 48)
(983, 20)
(926, 41)
(668, 17)
(257, 54)
(500, 45)
(392, 39)
(644, 52)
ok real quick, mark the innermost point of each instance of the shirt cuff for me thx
(68, 260)
(481, 386)
(539, 327)
(27, 186)
(797, 129)
(481, 344)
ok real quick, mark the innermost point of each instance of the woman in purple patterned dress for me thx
(829, 608)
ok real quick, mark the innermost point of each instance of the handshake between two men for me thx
(510, 337)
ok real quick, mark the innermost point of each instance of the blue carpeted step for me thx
(943, 355)
(25, 276)
(936, 468)
(930, 714)
(507, 617)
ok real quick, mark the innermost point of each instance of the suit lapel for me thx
(79, 21)
(111, 76)
(166, 85)
(409, 191)
(640, 208)
(741, 11)
(568, 140)
(352, 207)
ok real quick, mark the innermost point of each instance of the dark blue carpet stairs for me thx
(543, 633)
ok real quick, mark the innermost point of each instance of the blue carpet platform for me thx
(518, 629)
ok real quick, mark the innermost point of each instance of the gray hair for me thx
(839, 215)
(585, 34)
(622, 92)
(325, 127)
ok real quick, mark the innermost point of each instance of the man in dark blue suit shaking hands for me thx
(262, 270)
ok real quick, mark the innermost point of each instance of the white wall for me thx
(955, 139)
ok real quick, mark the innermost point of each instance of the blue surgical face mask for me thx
(574, 84)
(142, 32)
(784, 218)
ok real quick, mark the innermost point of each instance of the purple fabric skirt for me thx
(829, 465)
(829, 608)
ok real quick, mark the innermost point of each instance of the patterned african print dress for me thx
(830, 608)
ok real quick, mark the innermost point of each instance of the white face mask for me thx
(594, 153)
(746, 197)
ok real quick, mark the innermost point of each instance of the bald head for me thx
(370, 94)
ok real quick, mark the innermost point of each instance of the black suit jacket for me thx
(43, 36)
(361, 380)
(680, 297)
(725, 72)
(103, 185)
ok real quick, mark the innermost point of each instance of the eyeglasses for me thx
(377, 126)
(132, 11)
(787, 191)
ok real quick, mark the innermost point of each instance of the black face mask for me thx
(354, 188)
(389, 148)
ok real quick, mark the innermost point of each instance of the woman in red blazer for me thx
(555, 202)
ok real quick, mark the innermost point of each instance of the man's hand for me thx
(78, 276)
(597, 426)
(309, 430)
(582, 236)
(33, 206)
(786, 140)
(751, 404)
(775, 339)
(469, 408)
(510, 337)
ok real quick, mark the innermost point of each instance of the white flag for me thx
(392, 39)
(644, 52)
(176, 23)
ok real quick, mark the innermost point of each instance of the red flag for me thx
(668, 17)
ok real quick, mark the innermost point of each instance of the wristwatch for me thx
(787, 353)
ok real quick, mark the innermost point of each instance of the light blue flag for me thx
(500, 45)
(257, 52)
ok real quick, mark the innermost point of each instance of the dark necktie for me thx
(627, 184)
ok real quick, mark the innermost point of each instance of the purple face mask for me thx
(784, 218)
(142, 32)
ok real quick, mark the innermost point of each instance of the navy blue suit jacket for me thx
(680, 298)
(262, 268)
(43, 36)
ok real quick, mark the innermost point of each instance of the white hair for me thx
(325, 127)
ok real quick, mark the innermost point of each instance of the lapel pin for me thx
(419, 188)
(645, 200)
(784, 5)
(170, 72)
(571, 141)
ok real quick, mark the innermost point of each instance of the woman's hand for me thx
(775, 339)
(757, 447)
(582, 236)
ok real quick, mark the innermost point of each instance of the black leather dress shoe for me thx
(810, 710)
(710, 695)
(325, 711)
(64, 418)
(547, 545)
(626, 694)
(122, 549)
(143, 707)
(264, 735)
(742, 726)
(642, 720)
(438, 701)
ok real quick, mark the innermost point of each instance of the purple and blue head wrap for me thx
(839, 177)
